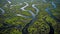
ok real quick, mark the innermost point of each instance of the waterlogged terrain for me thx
(29, 16)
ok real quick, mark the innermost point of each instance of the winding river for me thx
(37, 10)
(50, 13)
(9, 1)
(23, 8)
(2, 11)
(53, 4)
(24, 30)
(33, 16)
(50, 25)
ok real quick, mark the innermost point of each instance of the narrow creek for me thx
(2, 11)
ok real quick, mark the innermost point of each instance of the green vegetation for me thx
(39, 26)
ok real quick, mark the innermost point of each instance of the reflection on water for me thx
(2, 11)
